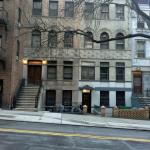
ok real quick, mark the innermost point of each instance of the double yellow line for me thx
(47, 133)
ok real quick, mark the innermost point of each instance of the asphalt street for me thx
(39, 136)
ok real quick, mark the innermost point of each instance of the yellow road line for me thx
(74, 135)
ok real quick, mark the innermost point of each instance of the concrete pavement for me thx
(75, 119)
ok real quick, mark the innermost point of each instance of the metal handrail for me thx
(38, 94)
(21, 84)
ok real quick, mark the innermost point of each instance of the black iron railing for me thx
(38, 94)
(21, 84)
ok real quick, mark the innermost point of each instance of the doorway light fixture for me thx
(86, 91)
(25, 61)
(44, 62)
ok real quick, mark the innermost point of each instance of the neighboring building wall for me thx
(79, 55)
(141, 54)
(12, 73)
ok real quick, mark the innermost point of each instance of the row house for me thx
(70, 67)
(141, 54)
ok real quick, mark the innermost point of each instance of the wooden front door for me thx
(86, 100)
(34, 74)
(1, 92)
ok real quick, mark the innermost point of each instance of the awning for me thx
(86, 87)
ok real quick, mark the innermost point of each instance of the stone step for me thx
(26, 109)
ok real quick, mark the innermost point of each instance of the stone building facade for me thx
(10, 51)
(72, 68)
(141, 53)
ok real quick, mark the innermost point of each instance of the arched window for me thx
(104, 36)
(36, 38)
(88, 40)
(68, 39)
(120, 44)
(52, 39)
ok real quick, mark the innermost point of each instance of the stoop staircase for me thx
(145, 101)
(27, 98)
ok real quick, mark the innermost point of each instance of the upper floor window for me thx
(120, 71)
(0, 41)
(52, 70)
(37, 7)
(36, 39)
(89, 10)
(88, 73)
(68, 70)
(52, 39)
(88, 40)
(104, 11)
(120, 44)
(143, 1)
(68, 39)
(53, 8)
(104, 36)
(140, 46)
(69, 9)
(120, 11)
(140, 22)
(1, 4)
(104, 71)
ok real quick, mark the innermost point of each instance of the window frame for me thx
(88, 12)
(68, 64)
(140, 53)
(120, 44)
(36, 33)
(120, 98)
(69, 12)
(106, 66)
(88, 70)
(104, 45)
(52, 38)
(36, 11)
(67, 100)
(87, 40)
(120, 14)
(52, 64)
(104, 98)
(68, 39)
(104, 12)
(120, 66)
(53, 12)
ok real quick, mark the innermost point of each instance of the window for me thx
(104, 36)
(50, 100)
(67, 100)
(1, 4)
(140, 46)
(18, 49)
(88, 40)
(120, 44)
(36, 39)
(0, 41)
(52, 39)
(19, 15)
(140, 22)
(119, 11)
(68, 39)
(89, 10)
(143, 1)
(68, 69)
(120, 71)
(104, 98)
(37, 7)
(53, 8)
(104, 71)
(88, 73)
(104, 11)
(120, 98)
(69, 9)
(52, 70)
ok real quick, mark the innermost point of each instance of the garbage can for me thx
(84, 109)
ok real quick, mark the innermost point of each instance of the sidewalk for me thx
(74, 119)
